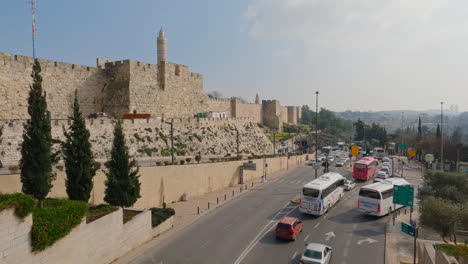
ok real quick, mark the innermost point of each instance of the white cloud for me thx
(331, 24)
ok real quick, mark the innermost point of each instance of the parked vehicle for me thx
(288, 228)
(316, 254)
(364, 169)
(322, 193)
(349, 185)
(377, 198)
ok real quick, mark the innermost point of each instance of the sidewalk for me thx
(399, 246)
(187, 211)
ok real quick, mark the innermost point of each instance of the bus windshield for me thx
(310, 192)
(369, 194)
(380, 151)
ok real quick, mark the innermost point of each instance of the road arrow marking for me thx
(330, 235)
(370, 240)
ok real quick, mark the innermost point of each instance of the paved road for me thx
(242, 230)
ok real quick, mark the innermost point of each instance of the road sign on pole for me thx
(402, 146)
(403, 195)
(407, 229)
(355, 150)
(412, 153)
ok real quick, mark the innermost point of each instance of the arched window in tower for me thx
(177, 70)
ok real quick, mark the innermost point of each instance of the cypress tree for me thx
(36, 150)
(1, 133)
(79, 161)
(122, 184)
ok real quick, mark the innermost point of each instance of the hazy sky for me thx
(359, 54)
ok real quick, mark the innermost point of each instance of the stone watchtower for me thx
(162, 58)
(257, 99)
(162, 47)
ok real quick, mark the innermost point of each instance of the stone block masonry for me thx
(117, 87)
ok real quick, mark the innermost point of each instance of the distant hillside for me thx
(391, 120)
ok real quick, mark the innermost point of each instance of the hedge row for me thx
(55, 221)
(159, 215)
(98, 211)
(22, 203)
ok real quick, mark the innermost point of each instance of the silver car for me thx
(316, 254)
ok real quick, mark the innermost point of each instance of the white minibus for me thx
(322, 193)
(377, 198)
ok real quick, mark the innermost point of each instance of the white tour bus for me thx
(377, 198)
(379, 153)
(322, 193)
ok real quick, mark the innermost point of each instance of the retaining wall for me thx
(169, 183)
(100, 241)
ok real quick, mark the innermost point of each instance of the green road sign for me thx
(407, 229)
(403, 195)
(402, 146)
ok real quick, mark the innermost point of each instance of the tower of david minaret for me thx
(162, 47)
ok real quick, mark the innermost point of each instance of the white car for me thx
(386, 163)
(349, 185)
(386, 169)
(330, 158)
(382, 175)
(316, 254)
(386, 159)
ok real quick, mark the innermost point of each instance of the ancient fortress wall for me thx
(59, 81)
(119, 87)
(240, 109)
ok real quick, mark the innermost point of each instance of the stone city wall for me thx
(100, 241)
(59, 81)
(171, 182)
(240, 109)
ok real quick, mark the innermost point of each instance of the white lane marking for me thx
(325, 216)
(306, 237)
(345, 252)
(316, 225)
(204, 244)
(370, 240)
(329, 235)
(354, 226)
(257, 237)
(295, 253)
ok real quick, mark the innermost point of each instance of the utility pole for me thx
(441, 136)
(172, 139)
(316, 131)
(274, 143)
(237, 140)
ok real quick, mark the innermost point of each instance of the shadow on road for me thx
(351, 216)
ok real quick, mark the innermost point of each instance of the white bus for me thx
(379, 153)
(322, 193)
(377, 198)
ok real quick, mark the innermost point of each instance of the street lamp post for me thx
(316, 131)
(172, 139)
(237, 140)
(441, 136)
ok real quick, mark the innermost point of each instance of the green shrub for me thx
(138, 138)
(199, 138)
(149, 129)
(454, 250)
(98, 165)
(182, 162)
(198, 158)
(213, 159)
(59, 167)
(13, 169)
(23, 204)
(188, 160)
(158, 163)
(165, 152)
(159, 215)
(167, 163)
(98, 211)
(55, 221)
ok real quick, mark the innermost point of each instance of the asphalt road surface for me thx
(242, 231)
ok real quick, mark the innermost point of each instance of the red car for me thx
(288, 228)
